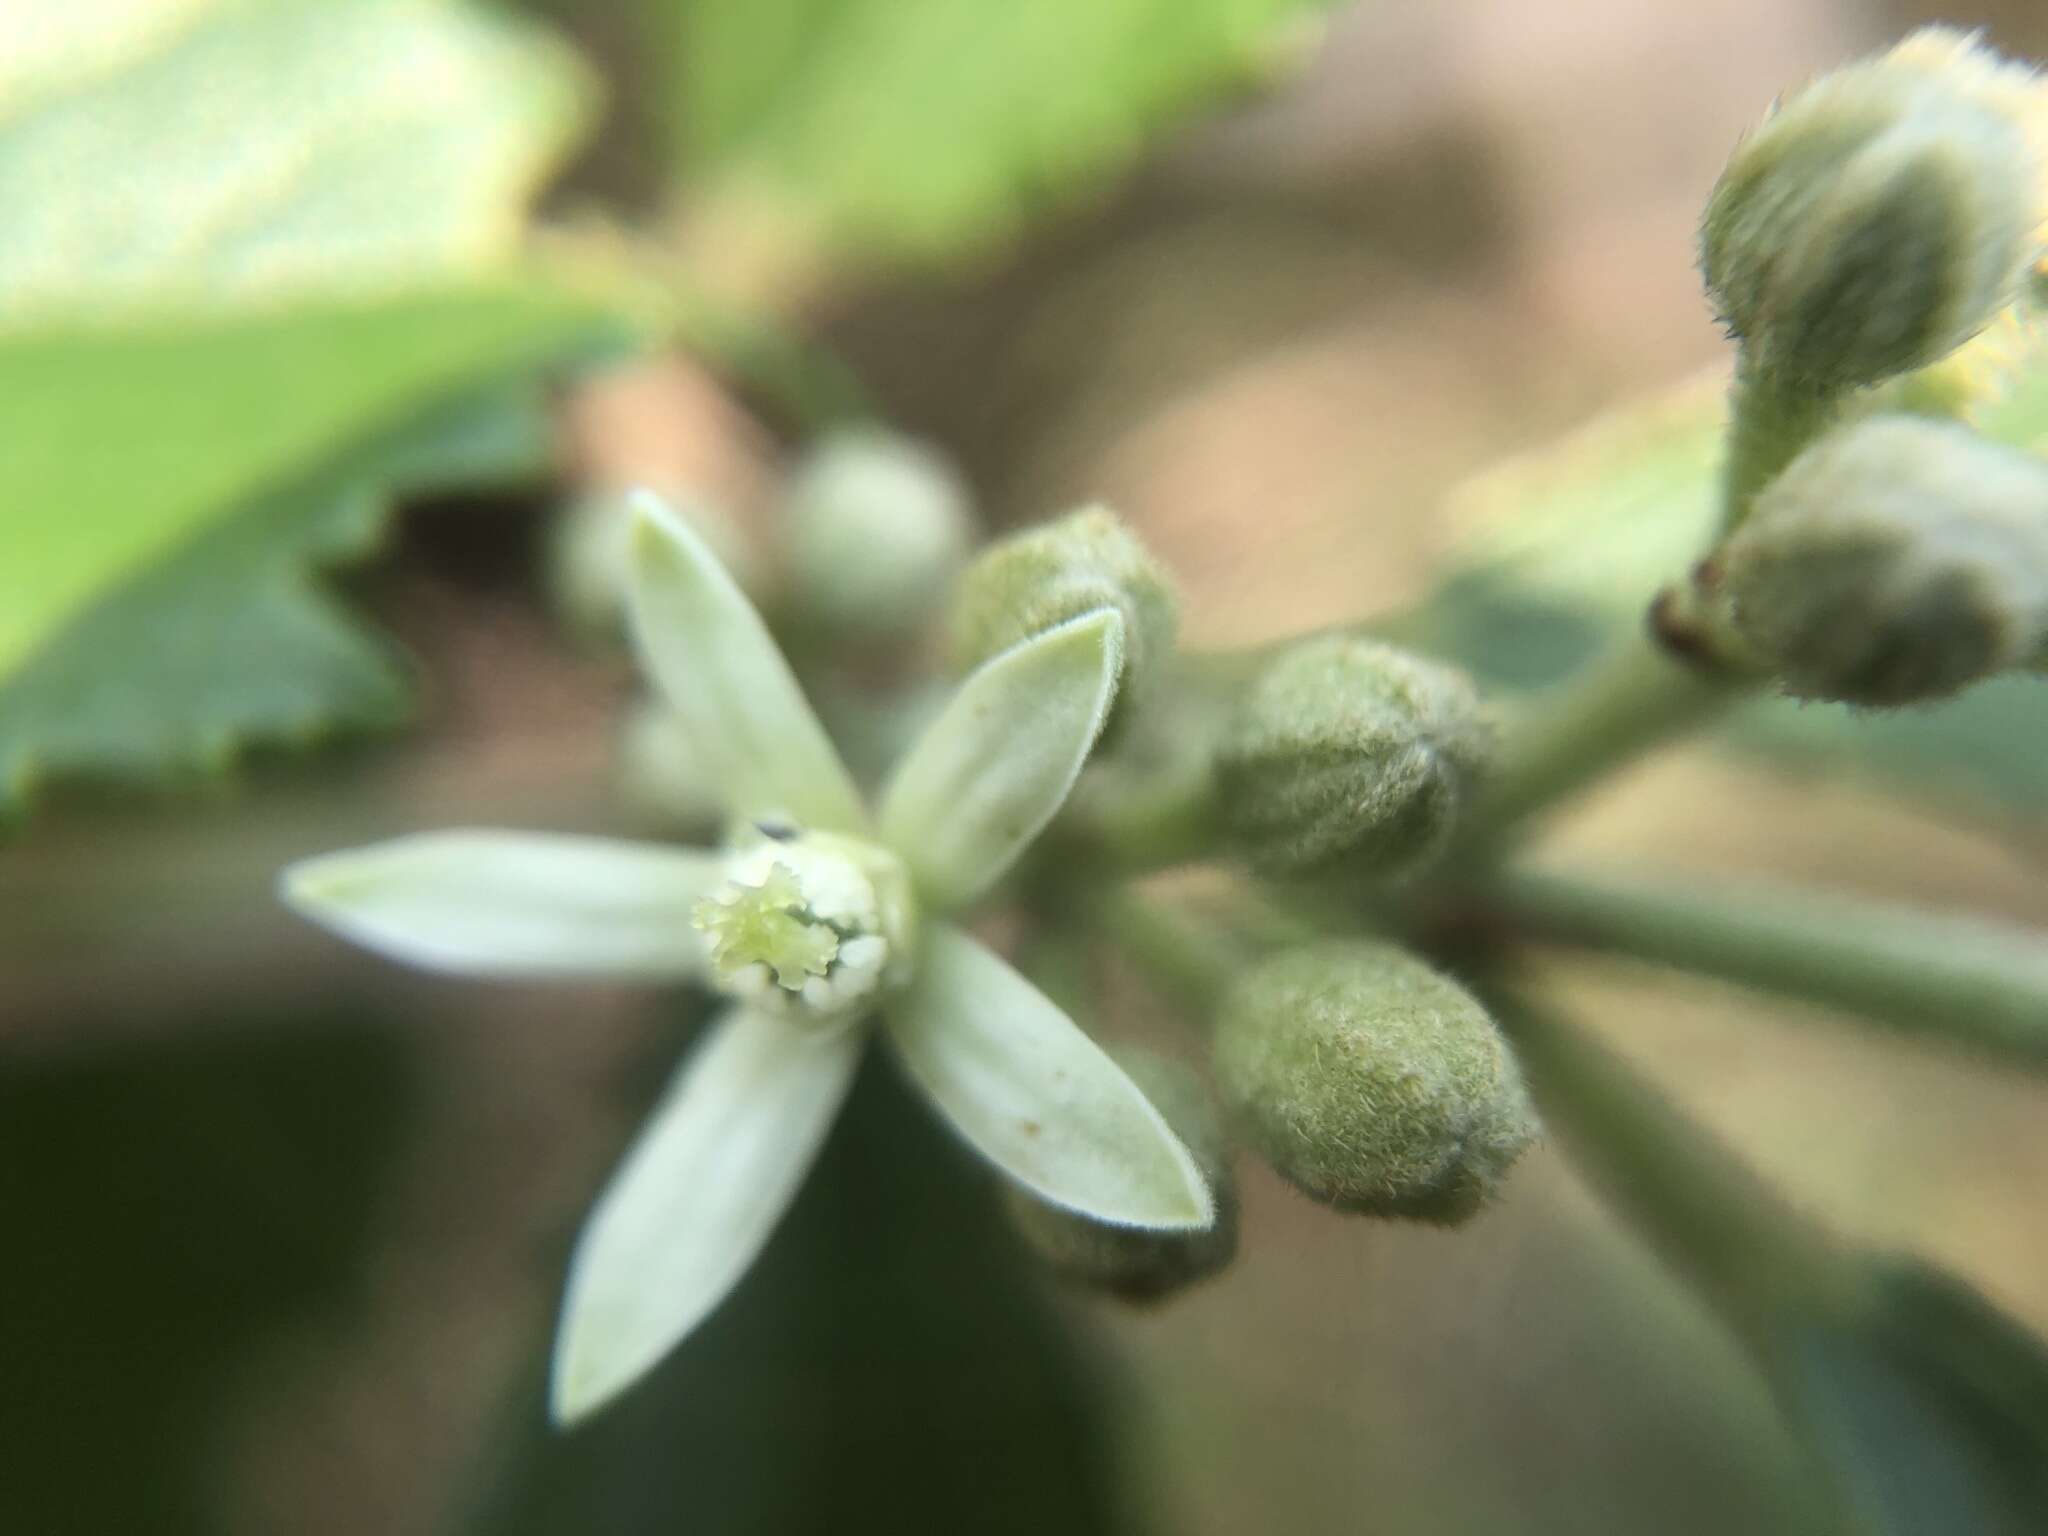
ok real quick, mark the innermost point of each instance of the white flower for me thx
(818, 920)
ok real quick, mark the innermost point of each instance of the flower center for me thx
(808, 926)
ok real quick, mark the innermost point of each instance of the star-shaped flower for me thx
(819, 920)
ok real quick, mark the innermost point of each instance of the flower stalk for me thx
(1966, 982)
(1564, 743)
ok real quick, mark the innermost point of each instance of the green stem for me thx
(1641, 696)
(1769, 424)
(1709, 1216)
(1635, 700)
(795, 375)
(1190, 964)
(1173, 820)
(1967, 981)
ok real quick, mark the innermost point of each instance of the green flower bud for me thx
(1371, 1082)
(1126, 1262)
(1031, 581)
(1895, 561)
(878, 530)
(1346, 751)
(1880, 217)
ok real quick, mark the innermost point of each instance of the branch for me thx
(1966, 980)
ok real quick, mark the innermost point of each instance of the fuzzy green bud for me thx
(878, 530)
(1127, 1262)
(1347, 751)
(1039, 578)
(1371, 1082)
(1894, 562)
(1880, 217)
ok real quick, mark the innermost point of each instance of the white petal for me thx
(1032, 1093)
(709, 652)
(713, 1170)
(513, 904)
(990, 772)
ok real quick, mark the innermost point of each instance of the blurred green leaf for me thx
(1930, 1407)
(249, 245)
(124, 443)
(230, 641)
(175, 153)
(1565, 548)
(913, 128)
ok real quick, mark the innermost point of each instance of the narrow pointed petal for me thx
(513, 904)
(991, 771)
(696, 1198)
(1033, 1094)
(713, 658)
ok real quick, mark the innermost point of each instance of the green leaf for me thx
(1931, 1409)
(1567, 547)
(255, 252)
(912, 128)
(165, 665)
(161, 156)
(124, 443)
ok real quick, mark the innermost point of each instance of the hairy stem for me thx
(1635, 700)
(1968, 981)
(1175, 819)
(1769, 424)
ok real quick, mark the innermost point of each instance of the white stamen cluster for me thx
(797, 928)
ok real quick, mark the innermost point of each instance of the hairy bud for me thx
(1348, 751)
(1894, 562)
(878, 530)
(1127, 1262)
(1372, 1082)
(1040, 578)
(1881, 216)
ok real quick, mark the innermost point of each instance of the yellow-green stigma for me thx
(767, 925)
(798, 927)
